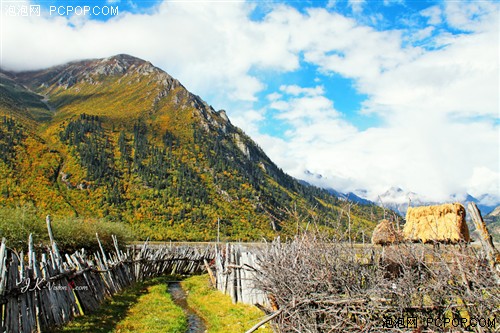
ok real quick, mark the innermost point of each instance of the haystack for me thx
(384, 234)
(443, 223)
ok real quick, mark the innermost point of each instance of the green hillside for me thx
(120, 139)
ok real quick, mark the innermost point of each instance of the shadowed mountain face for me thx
(121, 139)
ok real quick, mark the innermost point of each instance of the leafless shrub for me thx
(322, 285)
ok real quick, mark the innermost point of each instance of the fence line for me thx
(38, 295)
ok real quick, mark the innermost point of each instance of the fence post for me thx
(486, 240)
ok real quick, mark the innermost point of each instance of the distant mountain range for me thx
(118, 138)
(398, 200)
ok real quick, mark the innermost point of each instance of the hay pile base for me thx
(443, 223)
(384, 234)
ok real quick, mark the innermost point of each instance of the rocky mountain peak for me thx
(91, 71)
(125, 68)
(125, 59)
(123, 64)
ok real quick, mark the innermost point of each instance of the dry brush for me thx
(320, 285)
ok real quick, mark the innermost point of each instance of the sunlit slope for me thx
(126, 141)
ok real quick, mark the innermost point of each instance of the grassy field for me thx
(147, 307)
(154, 312)
(220, 314)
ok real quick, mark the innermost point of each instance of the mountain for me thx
(349, 196)
(483, 202)
(398, 200)
(118, 138)
(495, 213)
(492, 221)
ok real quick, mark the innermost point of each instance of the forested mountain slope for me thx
(121, 139)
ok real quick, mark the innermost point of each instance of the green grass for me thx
(145, 307)
(154, 312)
(218, 311)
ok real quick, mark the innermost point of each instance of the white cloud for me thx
(422, 33)
(307, 108)
(279, 105)
(460, 79)
(252, 119)
(274, 96)
(471, 15)
(393, 2)
(356, 5)
(295, 90)
(484, 180)
(433, 14)
(339, 44)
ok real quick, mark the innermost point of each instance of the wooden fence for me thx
(38, 293)
(235, 269)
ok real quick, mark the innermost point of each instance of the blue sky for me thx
(367, 94)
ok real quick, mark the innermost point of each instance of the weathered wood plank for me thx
(486, 240)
